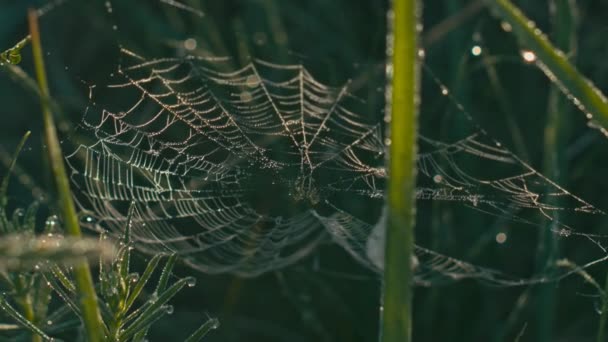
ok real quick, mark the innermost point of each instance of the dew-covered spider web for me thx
(248, 169)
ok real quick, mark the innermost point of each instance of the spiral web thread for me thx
(204, 149)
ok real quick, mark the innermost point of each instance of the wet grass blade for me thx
(14, 314)
(555, 64)
(403, 72)
(203, 330)
(149, 314)
(164, 276)
(84, 280)
(142, 281)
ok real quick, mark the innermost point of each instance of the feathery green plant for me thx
(23, 258)
(119, 290)
(33, 268)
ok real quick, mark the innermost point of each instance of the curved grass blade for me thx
(555, 64)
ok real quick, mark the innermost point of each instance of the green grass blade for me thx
(152, 309)
(164, 276)
(5, 180)
(84, 280)
(14, 314)
(142, 281)
(402, 106)
(203, 330)
(556, 137)
(63, 279)
(555, 64)
(140, 330)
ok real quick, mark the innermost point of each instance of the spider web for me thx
(248, 169)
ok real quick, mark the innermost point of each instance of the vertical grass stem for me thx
(403, 72)
(82, 273)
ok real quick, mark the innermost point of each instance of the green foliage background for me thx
(328, 297)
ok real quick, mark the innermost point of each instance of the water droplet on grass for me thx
(476, 50)
(191, 281)
(190, 44)
(528, 56)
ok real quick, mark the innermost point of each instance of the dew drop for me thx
(528, 56)
(190, 44)
(597, 305)
(245, 96)
(252, 81)
(437, 179)
(51, 221)
(215, 323)
(133, 277)
(444, 90)
(190, 281)
(169, 309)
(506, 26)
(153, 298)
(501, 238)
(476, 50)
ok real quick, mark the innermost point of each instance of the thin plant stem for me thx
(556, 133)
(403, 72)
(84, 281)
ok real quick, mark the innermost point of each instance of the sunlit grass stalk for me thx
(403, 71)
(82, 273)
(554, 62)
(563, 17)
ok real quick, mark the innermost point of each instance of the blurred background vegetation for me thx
(328, 296)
